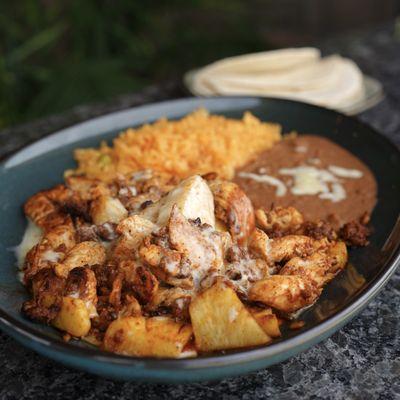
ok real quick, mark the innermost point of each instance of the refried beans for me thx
(314, 175)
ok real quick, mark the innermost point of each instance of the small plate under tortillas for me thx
(297, 74)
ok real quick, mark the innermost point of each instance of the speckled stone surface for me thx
(361, 361)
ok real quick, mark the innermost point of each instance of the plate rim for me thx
(302, 339)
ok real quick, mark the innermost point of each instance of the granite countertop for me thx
(361, 361)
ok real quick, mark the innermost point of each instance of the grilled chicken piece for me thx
(83, 254)
(284, 248)
(286, 293)
(175, 300)
(69, 201)
(301, 280)
(136, 204)
(279, 219)
(86, 188)
(184, 252)
(107, 209)
(38, 208)
(166, 264)
(44, 212)
(321, 267)
(82, 284)
(47, 290)
(143, 188)
(201, 245)
(49, 208)
(243, 273)
(193, 199)
(147, 180)
(139, 280)
(130, 308)
(115, 296)
(132, 230)
(51, 249)
(233, 208)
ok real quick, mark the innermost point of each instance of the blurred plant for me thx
(56, 54)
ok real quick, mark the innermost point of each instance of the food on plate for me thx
(154, 264)
(196, 144)
(221, 321)
(312, 174)
(155, 336)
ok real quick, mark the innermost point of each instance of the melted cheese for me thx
(270, 180)
(32, 236)
(337, 193)
(345, 172)
(52, 256)
(309, 180)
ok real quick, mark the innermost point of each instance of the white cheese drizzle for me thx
(345, 172)
(301, 149)
(309, 180)
(270, 180)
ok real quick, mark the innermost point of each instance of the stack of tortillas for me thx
(297, 74)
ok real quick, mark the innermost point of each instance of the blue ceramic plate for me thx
(41, 165)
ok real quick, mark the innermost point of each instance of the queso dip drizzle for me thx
(309, 180)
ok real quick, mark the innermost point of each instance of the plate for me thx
(373, 93)
(41, 165)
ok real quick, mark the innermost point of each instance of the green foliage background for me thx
(57, 54)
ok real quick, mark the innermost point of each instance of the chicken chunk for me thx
(132, 231)
(175, 300)
(283, 248)
(51, 249)
(38, 208)
(44, 212)
(200, 244)
(321, 267)
(69, 201)
(286, 293)
(107, 209)
(185, 252)
(244, 272)
(139, 279)
(86, 188)
(47, 290)
(130, 308)
(83, 254)
(279, 220)
(81, 284)
(116, 291)
(193, 199)
(166, 264)
(233, 208)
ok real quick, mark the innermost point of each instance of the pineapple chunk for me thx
(73, 317)
(148, 337)
(220, 321)
(267, 320)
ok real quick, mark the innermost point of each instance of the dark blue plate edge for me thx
(34, 339)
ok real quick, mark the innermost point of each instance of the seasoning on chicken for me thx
(279, 220)
(132, 264)
(233, 208)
